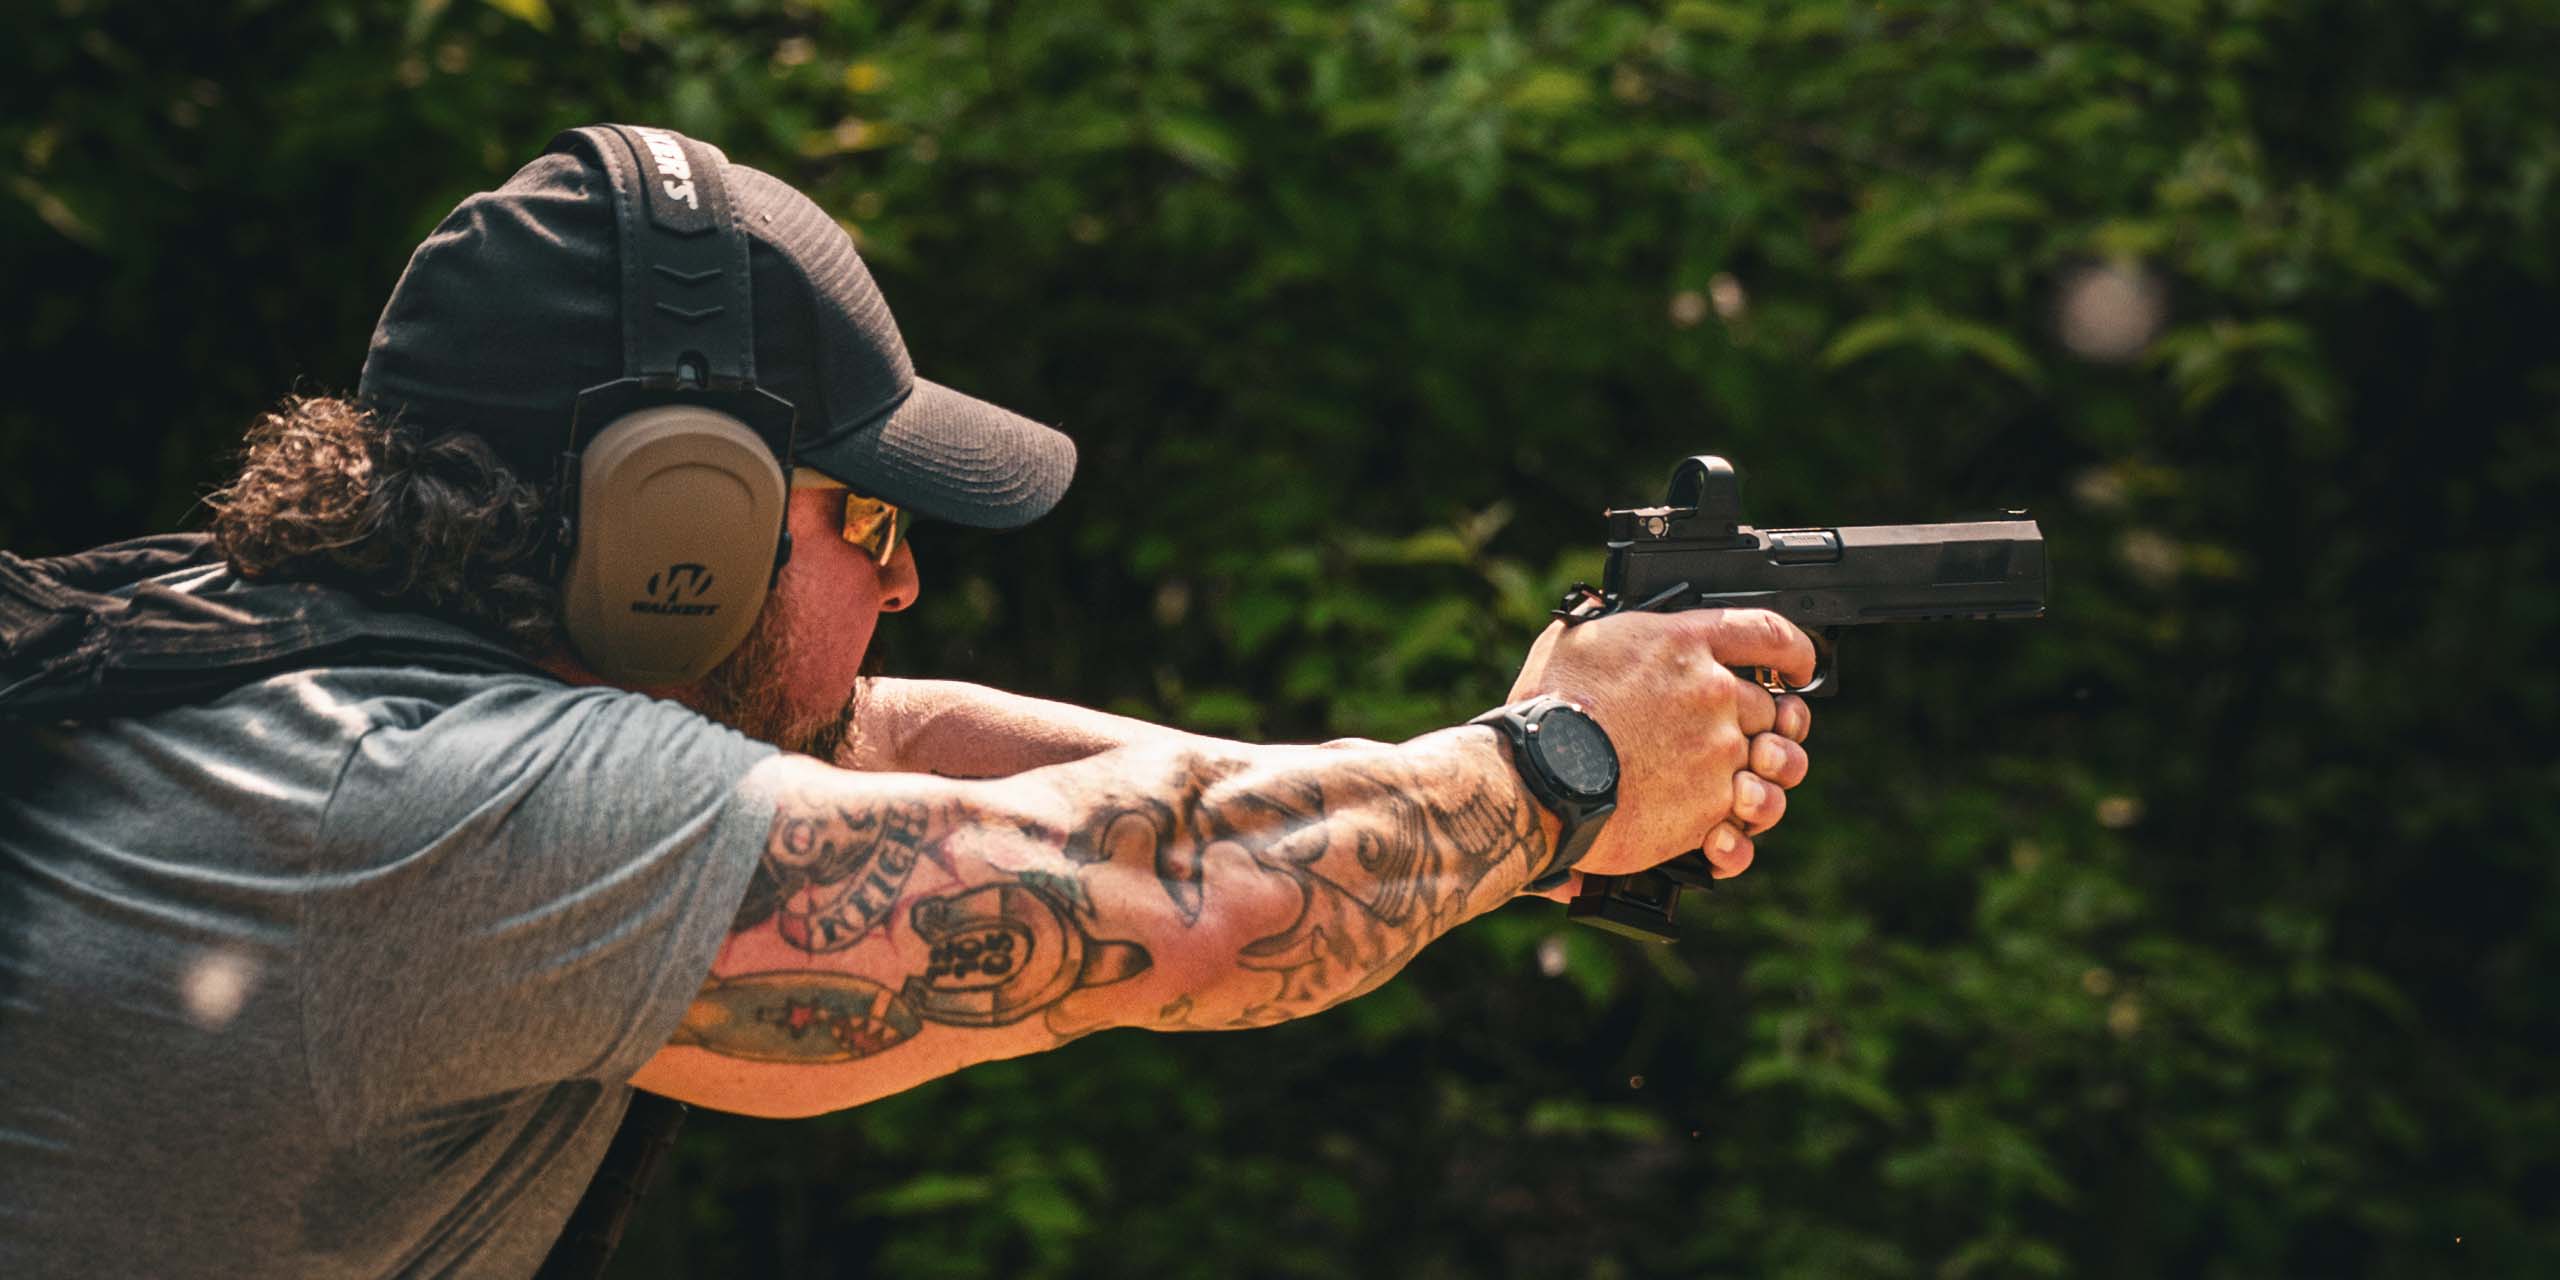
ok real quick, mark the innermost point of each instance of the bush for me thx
(2199, 929)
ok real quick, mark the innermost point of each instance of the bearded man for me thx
(361, 858)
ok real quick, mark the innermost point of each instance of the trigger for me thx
(1826, 669)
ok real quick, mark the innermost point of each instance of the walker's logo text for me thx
(672, 588)
(676, 174)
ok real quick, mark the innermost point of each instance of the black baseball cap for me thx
(512, 306)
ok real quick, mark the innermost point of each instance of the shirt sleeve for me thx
(524, 887)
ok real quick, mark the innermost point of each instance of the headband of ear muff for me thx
(677, 467)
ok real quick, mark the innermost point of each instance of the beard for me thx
(743, 693)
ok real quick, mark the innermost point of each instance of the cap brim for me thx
(952, 457)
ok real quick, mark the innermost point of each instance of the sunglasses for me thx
(869, 523)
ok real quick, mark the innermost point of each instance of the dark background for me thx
(2206, 927)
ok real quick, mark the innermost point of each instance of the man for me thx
(344, 899)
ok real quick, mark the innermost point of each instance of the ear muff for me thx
(680, 510)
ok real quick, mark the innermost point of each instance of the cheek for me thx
(830, 597)
(830, 636)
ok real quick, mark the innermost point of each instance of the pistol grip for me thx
(1640, 906)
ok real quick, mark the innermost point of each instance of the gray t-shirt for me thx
(342, 974)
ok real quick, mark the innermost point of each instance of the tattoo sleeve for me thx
(1166, 885)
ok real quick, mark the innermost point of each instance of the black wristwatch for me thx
(1568, 764)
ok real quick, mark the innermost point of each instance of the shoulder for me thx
(404, 712)
(447, 750)
(359, 700)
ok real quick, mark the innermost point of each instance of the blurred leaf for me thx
(1198, 142)
(1548, 91)
(532, 13)
(933, 1193)
(2196, 927)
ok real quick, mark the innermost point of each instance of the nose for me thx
(899, 584)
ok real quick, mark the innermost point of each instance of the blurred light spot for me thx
(1629, 85)
(863, 77)
(1551, 955)
(1726, 293)
(794, 51)
(2026, 855)
(2110, 312)
(868, 204)
(2115, 813)
(926, 149)
(215, 987)
(1086, 229)
(2099, 487)
(1688, 307)
(2151, 555)
(1173, 602)
(1635, 1082)
(453, 58)
(983, 602)
(2124, 1017)
(850, 133)
(2097, 982)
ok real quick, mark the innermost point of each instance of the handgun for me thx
(1694, 552)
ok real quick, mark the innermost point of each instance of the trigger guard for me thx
(1826, 669)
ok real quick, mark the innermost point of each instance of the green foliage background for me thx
(2206, 928)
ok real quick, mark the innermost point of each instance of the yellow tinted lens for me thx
(872, 525)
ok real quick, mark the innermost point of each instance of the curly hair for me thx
(329, 492)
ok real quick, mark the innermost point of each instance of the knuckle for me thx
(1721, 630)
(1776, 631)
(1763, 709)
(1711, 687)
(1795, 716)
(1731, 693)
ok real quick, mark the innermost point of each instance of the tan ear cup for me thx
(679, 510)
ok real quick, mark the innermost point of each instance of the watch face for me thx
(1577, 753)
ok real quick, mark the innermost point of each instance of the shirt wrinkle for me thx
(437, 967)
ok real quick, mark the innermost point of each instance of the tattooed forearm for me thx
(996, 954)
(797, 1016)
(1137, 832)
(1382, 851)
(831, 872)
(1179, 888)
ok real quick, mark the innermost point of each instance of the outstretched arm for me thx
(901, 927)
